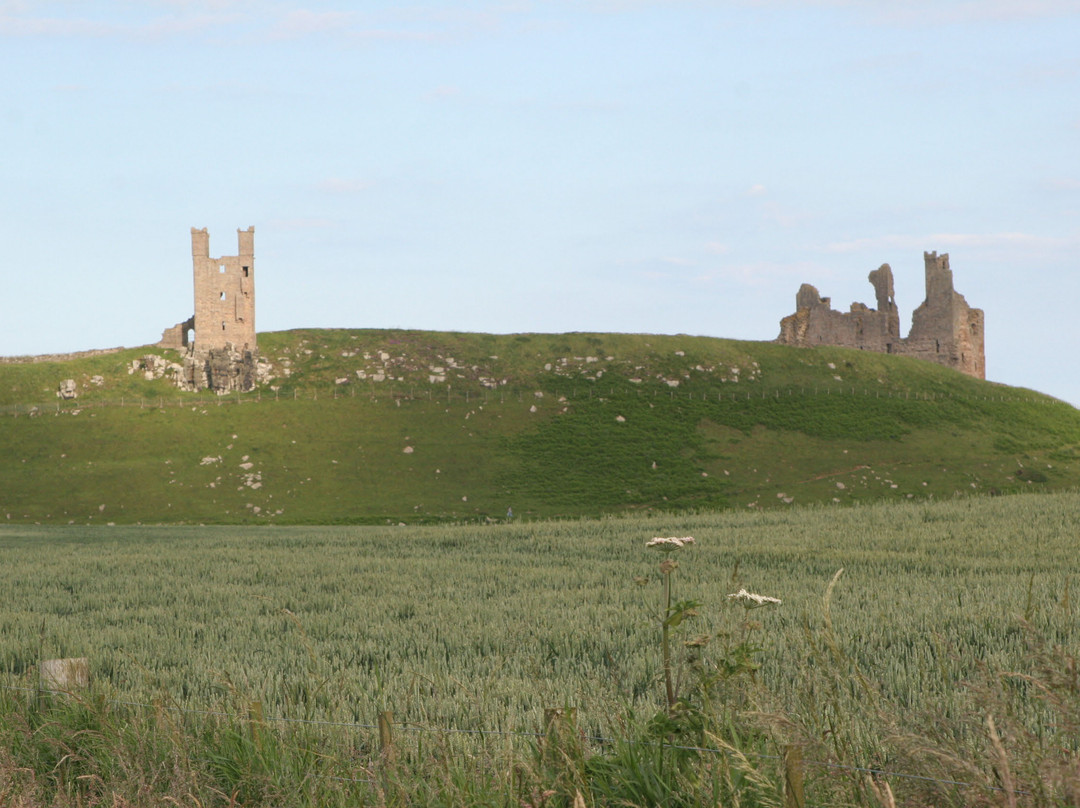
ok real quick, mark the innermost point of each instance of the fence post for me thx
(794, 797)
(64, 674)
(560, 736)
(255, 721)
(386, 734)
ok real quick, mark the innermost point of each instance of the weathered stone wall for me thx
(63, 357)
(177, 336)
(944, 328)
(815, 322)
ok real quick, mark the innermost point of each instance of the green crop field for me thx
(483, 627)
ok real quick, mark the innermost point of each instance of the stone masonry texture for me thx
(944, 329)
(221, 351)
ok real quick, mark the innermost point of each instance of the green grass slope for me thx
(411, 426)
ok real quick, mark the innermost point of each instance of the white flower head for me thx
(670, 543)
(753, 601)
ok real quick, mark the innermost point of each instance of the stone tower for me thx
(219, 340)
(944, 329)
(224, 294)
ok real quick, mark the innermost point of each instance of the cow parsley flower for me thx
(752, 601)
(670, 543)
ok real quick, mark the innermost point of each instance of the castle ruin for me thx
(944, 329)
(219, 339)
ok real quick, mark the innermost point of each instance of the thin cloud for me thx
(302, 23)
(273, 21)
(444, 91)
(930, 12)
(1063, 184)
(346, 25)
(758, 274)
(939, 12)
(20, 25)
(783, 216)
(336, 185)
(659, 267)
(301, 224)
(939, 240)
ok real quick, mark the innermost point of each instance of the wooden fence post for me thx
(560, 736)
(794, 797)
(255, 722)
(386, 734)
(64, 674)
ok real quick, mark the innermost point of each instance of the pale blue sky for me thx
(599, 165)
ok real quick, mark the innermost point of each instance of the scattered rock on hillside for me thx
(67, 389)
(156, 367)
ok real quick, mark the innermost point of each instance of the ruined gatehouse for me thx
(944, 329)
(219, 339)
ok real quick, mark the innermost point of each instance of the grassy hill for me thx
(413, 426)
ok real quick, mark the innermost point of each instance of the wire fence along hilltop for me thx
(398, 394)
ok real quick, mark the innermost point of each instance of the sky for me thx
(645, 166)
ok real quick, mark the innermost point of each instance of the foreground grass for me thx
(946, 615)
